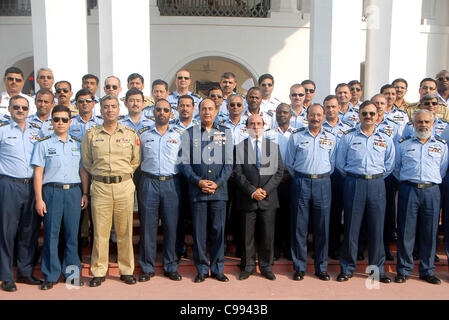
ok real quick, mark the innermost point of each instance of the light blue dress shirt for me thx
(78, 128)
(46, 128)
(144, 121)
(281, 138)
(239, 131)
(339, 129)
(61, 160)
(438, 128)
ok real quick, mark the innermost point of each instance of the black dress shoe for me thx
(9, 286)
(244, 275)
(220, 277)
(384, 279)
(323, 275)
(343, 277)
(389, 256)
(29, 280)
(175, 276)
(431, 279)
(268, 275)
(298, 275)
(47, 285)
(146, 276)
(128, 279)
(360, 256)
(400, 278)
(200, 277)
(96, 281)
(437, 258)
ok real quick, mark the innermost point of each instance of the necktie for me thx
(257, 155)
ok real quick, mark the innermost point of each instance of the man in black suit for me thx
(258, 171)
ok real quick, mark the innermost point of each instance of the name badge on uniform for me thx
(51, 151)
(398, 118)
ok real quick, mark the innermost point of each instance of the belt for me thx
(160, 178)
(366, 177)
(62, 186)
(111, 179)
(312, 176)
(420, 185)
(25, 181)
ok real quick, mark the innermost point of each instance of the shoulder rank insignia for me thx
(328, 131)
(121, 117)
(349, 130)
(144, 129)
(299, 129)
(441, 140)
(405, 138)
(3, 123)
(44, 138)
(408, 123)
(346, 123)
(35, 125)
(75, 138)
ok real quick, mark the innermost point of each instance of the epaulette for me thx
(121, 117)
(178, 130)
(384, 132)
(408, 123)
(443, 120)
(153, 118)
(404, 138)
(270, 113)
(299, 129)
(346, 123)
(3, 123)
(73, 117)
(100, 117)
(441, 140)
(349, 130)
(44, 138)
(397, 109)
(35, 125)
(395, 121)
(7, 116)
(328, 131)
(195, 95)
(75, 138)
(130, 129)
(172, 121)
(221, 121)
(144, 129)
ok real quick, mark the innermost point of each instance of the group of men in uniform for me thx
(231, 165)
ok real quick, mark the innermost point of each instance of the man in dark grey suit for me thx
(258, 171)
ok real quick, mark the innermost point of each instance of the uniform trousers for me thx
(265, 220)
(112, 201)
(391, 187)
(363, 198)
(311, 199)
(158, 198)
(208, 223)
(185, 215)
(17, 217)
(444, 187)
(417, 207)
(337, 204)
(282, 223)
(63, 206)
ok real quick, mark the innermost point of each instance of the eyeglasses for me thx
(17, 107)
(233, 104)
(428, 103)
(45, 77)
(297, 94)
(266, 84)
(59, 90)
(356, 89)
(185, 78)
(443, 78)
(309, 90)
(12, 79)
(213, 95)
(108, 86)
(366, 113)
(57, 119)
(81, 101)
(166, 110)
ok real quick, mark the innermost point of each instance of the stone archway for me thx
(27, 67)
(207, 70)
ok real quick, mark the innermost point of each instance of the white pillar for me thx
(124, 27)
(60, 38)
(394, 45)
(335, 50)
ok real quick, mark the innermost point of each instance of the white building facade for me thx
(328, 41)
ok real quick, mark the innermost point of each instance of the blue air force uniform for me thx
(310, 161)
(208, 155)
(365, 162)
(351, 116)
(45, 127)
(144, 121)
(159, 195)
(420, 168)
(17, 214)
(437, 129)
(239, 130)
(173, 100)
(79, 127)
(61, 193)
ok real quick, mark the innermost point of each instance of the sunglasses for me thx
(233, 104)
(443, 78)
(366, 113)
(81, 101)
(57, 119)
(297, 94)
(45, 77)
(185, 78)
(17, 107)
(428, 103)
(213, 95)
(65, 90)
(266, 84)
(309, 90)
(356, 89)
(166, 110)
(108, 86)
(16, 79)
